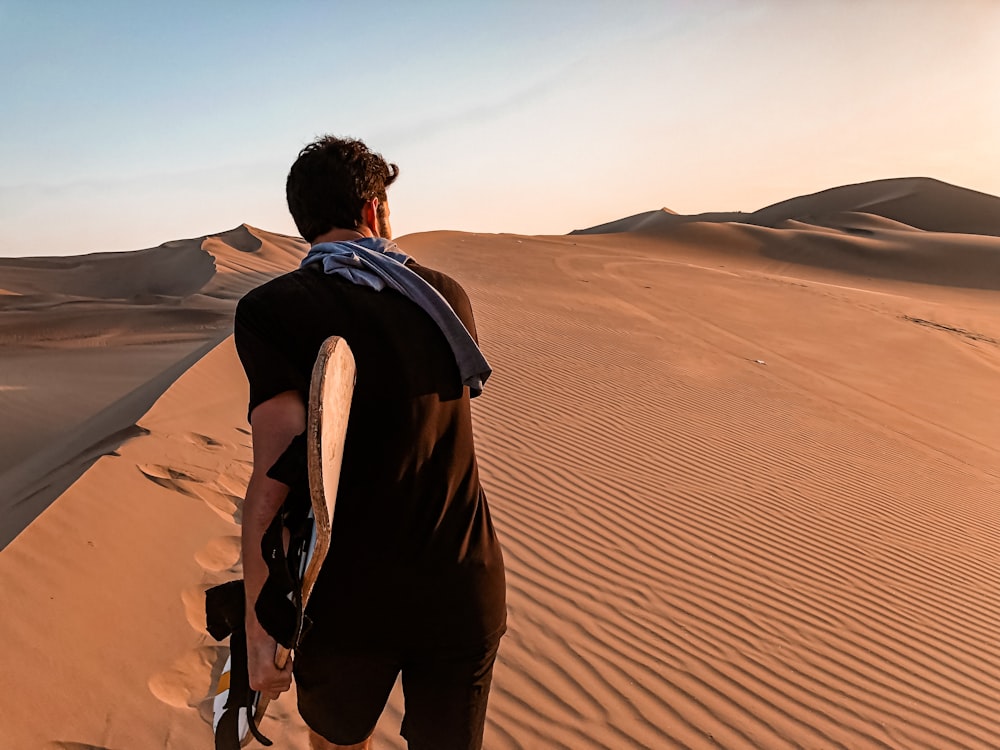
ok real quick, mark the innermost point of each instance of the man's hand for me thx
(264, 676)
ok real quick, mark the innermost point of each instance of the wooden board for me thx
(330, 395)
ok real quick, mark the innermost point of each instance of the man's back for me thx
(412, 541)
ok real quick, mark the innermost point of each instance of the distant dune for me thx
(920, 202)
(913, 229)
(745, 469)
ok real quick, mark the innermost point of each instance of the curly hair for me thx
(330, 182)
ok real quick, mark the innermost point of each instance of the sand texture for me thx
(745, 473)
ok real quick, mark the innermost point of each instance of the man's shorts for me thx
(342, 693)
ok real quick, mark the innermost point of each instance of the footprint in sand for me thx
(223, 502)
(190, 682)
(221, 553)
(218, 555)
(237, 473)
(167, 477)
(236, 476)
(247, 443)
(231, 484)
(204, 441)
(193, 599)
(190, 679)
(218, 494)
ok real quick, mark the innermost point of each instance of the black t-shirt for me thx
(413, 554)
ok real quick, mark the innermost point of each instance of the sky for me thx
(127, 124)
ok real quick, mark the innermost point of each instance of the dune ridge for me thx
(920, 202)
(906, 202)
(747, 499)
(914, 229)
(90, 342)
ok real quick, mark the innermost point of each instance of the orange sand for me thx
(746, 477)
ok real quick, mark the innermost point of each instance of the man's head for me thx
(338, 183)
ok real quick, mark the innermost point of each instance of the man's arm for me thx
(274, 423)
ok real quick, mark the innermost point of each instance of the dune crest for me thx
(90, 342)
(920, 202)
(913, 229)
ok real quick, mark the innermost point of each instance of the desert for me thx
(744, 467)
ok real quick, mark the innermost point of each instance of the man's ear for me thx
(369, 214)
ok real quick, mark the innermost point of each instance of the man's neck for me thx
(339, 235)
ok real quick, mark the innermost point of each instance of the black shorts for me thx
(342, 692)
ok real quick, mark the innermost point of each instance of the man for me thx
(414, 581)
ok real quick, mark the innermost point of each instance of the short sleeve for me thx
(258, 336)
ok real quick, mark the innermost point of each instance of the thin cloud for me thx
(172, 178)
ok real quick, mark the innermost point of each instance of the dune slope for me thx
(920, 202)
(90, 342)
(912, 229)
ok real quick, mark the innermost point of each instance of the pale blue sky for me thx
(127, 124)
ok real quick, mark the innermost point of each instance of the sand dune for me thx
(746, 478)
(868, 230)
(90, 342)
(664, 220)
(920, 202)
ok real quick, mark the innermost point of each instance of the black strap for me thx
(224, 608)
(251, 720)
(279, 606)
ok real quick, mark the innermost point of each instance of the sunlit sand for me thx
(744, 468)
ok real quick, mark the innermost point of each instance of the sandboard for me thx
(330, 393)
